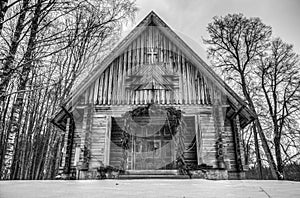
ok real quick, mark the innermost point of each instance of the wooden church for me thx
(153, 107)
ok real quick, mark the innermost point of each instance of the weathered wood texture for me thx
(93, 131)
(150, 54)
(115, 144)
(190, 142)
(230, 149)
(152, 159)
(153, 69)
(208, 140)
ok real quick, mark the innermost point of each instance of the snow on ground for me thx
(149, 188)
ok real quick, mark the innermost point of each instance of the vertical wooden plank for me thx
(188, 80)
(77, 155)
(196, 85)
(151, 44)
(204, 90)
(198, 89)
(138, 65)
(134, 55)
(160, 47)
(164, 60)
(120, 80)
(179, 73)
(146, 47)
(134, 67)
(110, 83)
(141, 62)
(145, 42)
(83, 134)
(91, 97)
(170, 53)
(107, 140)
(105, 83)
(64, 155)
(114, 83)
(199, 139)
(156, 42)
(193, 86)
(172, 66)
(124, 75)
(96, 91)
(212, 92)
(129, 60)
(142, 49)
(130, 67)
(184, 80)
(100, 93)
(169, 66)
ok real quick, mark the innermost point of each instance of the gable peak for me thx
(152, 19)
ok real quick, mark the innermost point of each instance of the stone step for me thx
(151, 172)
(154, 177)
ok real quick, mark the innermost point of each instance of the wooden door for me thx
(152, 152)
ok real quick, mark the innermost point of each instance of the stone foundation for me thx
(211, 174)
(236, 175)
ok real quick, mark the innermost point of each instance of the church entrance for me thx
(150, 148)
(152, 151)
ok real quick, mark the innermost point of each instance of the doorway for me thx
(152, 151)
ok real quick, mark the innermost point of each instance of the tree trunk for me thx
(278, 157)
(257, 152)
(3, 9)
(17, 107)
(6, 70)
(12, 51)
(261, 134)
(267, 151)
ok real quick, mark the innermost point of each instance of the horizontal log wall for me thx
(208, 139)
(98, 141)
(228, 143)
(190, 88)
(99, 128)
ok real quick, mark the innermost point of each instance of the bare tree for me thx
(3, 9)
(234, 45)
(57, 41)
(280, 81)
(6, 70)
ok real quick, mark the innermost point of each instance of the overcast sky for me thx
(190, 17)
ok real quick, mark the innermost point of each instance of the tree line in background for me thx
(266, 71)
(45, 46)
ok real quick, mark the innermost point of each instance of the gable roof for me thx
(153, 19)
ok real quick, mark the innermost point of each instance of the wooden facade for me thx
(152, 65)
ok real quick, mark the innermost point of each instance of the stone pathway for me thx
(149, 188)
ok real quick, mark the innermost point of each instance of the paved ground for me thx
(149, 188)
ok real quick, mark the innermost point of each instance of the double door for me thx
(152, 151)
